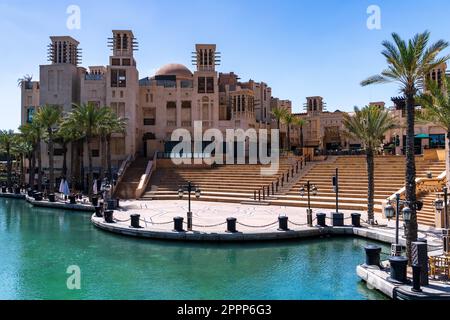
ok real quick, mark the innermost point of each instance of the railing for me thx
(276, 185)
(151, 167)
(422, 185)
(123, 168)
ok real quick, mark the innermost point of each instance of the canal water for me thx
(39, 245)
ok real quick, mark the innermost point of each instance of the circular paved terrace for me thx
(254, 222)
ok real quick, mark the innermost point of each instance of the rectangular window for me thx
(118, 78)
(201, 85)
(126, 62)
(149, 122)
(30, 114)
(187, 84)
(95, 153)
(210, 85)
(147, 98)
(58, 152)
(115, 62)
(437, 141)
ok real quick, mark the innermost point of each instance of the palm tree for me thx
(436, 107)
(22, 149)
(300, 123)
(88, 118)
(7, 139)
(28, 134)
(49, 118)
(409, 62)
(67, 134)
(279, 114)
(24, 80)
(110, 124)
(369, 125)
(289, 120)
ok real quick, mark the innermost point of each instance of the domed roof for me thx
(174, 69)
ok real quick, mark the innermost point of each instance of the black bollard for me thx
(117, 203)
(321, 220)
(399, 267)
(94, 201)
(109, 216)
(231, 225)
(135, 221)
(112, 204)
(38, 196)
(420, 258)
(373, 255)
(72, 199)
(17, 190)
(356, 220)
(98, 211)
(51, 198)
(338, 219)
(283, 223)
(4, 190)
(417, 274)
(178, 224)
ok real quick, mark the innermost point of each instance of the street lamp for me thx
(443, 205)
(309, 188)
(390, 212)
(189, 189)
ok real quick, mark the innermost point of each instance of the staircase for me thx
(389, 178)
(225, 183)
(127, 187)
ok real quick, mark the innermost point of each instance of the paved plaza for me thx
(210, 218)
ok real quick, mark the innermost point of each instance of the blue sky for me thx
(300, 47)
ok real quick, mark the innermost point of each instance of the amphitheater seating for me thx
(389, 178)
(237, 183)
(225, 183)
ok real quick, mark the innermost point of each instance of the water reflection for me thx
(42, 243)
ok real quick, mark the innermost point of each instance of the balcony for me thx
(93, 77)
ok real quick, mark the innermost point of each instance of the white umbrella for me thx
(61, 186)
(94, 188)
(66, 189)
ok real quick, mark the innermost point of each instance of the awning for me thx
(422, 136)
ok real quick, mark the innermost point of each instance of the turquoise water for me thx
(38, 245)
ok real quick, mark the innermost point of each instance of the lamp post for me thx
(336, 188)
(308, 187)
(443, 205)
(390, 212)
(189, 188)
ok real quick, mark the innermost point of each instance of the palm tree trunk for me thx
(411, 226)
(104, 156)
(39, 161)
(8, 166)
(371, 184)
(32, 171)
(64, 168)
(51, 163)
(90, 170)
(108, 152)
(22, 169)
(82, 173)
(289, 137)
(302, 142)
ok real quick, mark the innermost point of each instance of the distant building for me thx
(174, 97)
